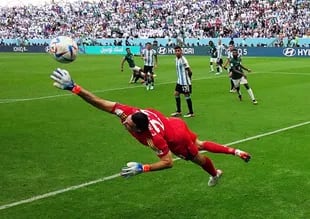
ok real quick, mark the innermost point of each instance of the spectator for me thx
(158, 19)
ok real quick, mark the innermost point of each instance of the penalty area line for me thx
(75, 187)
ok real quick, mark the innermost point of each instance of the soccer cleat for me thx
(243, 155)
(255, 102)
(176, 114)
(232, 91)
(188, 115)
(151, 87)
(214, 179)
(240, 97)
(217, 73)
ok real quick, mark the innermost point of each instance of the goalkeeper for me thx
(151, 128)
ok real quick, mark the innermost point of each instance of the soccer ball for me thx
(64, 49)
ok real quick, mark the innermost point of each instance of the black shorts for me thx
(147, 69)
(183, 89)
(220, 62)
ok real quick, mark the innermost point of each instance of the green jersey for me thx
(129, 58)
(213, 51)
(235, 64)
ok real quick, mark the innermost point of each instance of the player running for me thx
(238, 76)
(151, 128)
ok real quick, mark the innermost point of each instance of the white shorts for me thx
(136, 68)
(239, 81)
(213, 60)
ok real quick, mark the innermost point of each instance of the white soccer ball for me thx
(64, 49)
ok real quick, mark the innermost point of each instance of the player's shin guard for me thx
(209, 167)
(178, 103)
(217, 148)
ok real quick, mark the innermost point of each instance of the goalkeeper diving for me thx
(164, 135)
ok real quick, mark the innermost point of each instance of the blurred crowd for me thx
(158, 19)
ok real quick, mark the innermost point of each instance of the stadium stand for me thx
(173, 19)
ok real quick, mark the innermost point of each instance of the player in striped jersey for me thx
(149, 55)
(184, 84)
(227, 62)
(219, 61)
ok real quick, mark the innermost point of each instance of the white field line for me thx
(75, 187)
(14, 100)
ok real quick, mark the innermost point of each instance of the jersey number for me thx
(156, 124)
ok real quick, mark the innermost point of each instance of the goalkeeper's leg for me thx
(208, 166)
(218, 148)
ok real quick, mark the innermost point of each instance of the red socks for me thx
(208, 166)
(217, 148)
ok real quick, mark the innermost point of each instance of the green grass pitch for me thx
(51, 140)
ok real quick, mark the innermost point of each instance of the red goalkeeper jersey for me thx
(164, 133)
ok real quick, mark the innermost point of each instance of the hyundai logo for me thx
(289, 52)
(162, 50)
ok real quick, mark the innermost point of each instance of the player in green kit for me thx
(136, 71)
(213, 55)
(238, 76)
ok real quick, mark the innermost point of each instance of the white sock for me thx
(251, 94)
(237, 152)
(211, 67)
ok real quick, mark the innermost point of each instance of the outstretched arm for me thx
(164, 163)
(62, 80)
(134, 168)
(247, 69)
(92, 99)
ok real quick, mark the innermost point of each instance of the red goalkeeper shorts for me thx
(183, 143)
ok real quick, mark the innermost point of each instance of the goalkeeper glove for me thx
(62, 80)
(134, 168)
